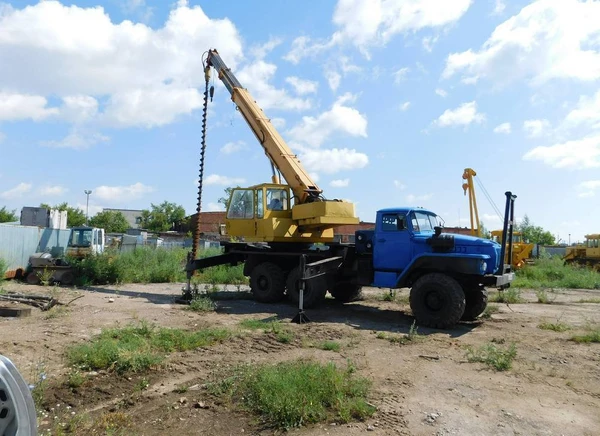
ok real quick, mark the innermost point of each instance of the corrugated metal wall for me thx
(54, 241)
(17, 243)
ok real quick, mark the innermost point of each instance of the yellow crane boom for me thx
(311, 218)
(468, 175)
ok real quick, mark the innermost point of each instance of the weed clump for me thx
(510, 296)
(138, 347)
(296, 393)
(554, 326)
(495, 357)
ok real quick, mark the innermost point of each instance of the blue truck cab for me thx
(447, 273)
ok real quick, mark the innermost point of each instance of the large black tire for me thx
(32, 278)
(267, 282)
(476, 301)
(437, 301)
(67, 278)
(346, 292)
(314, 291)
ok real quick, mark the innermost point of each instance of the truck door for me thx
(391, 250)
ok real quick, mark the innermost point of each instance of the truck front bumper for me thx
(500, 280)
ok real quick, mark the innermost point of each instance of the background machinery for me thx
(280, 224)
(587, 254)
(521, 250)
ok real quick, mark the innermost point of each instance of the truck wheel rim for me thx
(434, 300)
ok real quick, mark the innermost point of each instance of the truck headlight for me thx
(483, 266)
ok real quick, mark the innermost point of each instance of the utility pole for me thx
(569, 239)
(87, 205)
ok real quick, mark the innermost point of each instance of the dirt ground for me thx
(426, 387)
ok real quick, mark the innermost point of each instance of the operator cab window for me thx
(241, 205)
(277, 199)
(260, 211)
(393, 222)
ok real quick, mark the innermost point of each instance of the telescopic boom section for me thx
(468, 186)
(277, 150)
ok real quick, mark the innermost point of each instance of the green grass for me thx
(3, 268)
(297, 393)
(270, 325)
(510, 296)
(495, 357)
(554, 326)
(138, 347)
(202, 305)
(329, 346)
(490, 309)
(542, 297)
(592, 336)
(75, 379)
(589, 300)
(150, 265)
(552, 273)
(412, 336)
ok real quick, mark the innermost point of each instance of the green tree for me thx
(225, 199)
(75, 216)
(8, 216)
(483, 231)
(162, 217)
(534, 234)
(111, 221)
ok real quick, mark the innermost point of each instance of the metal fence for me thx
(18, 242)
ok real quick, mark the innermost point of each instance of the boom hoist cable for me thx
(196, 230)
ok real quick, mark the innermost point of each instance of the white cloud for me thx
(340, 183)
(14, 107)
(314, 131)
(374, 22)
(214, 207)
(441, 92)
(215, 179)
(82, 52)
(588, 188)
(121, 193)
(302, 86)
(499, 7)
(53, 190)
(404, 106)
(331, 161)
(429, 41)
(152, 107)
(400, 75)
(232, 147)
(489, 218)
(411, 198)
(367, 23)
(262, 50)
(79, 108)
(547, 39)
(278, 123)
(502, 128)
(463, 115)
(398, 184)
(536, 128)
(77, 139)
(333, 79)
(587, 112)
(16, 192)
(256, 77)
(577, 154)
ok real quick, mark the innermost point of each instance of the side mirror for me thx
(17, 409)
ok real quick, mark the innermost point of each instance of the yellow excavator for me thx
(521, 251)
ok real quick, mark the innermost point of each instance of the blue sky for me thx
(385, 102)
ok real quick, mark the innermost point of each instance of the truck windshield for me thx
(424, 222)
(80, 238)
